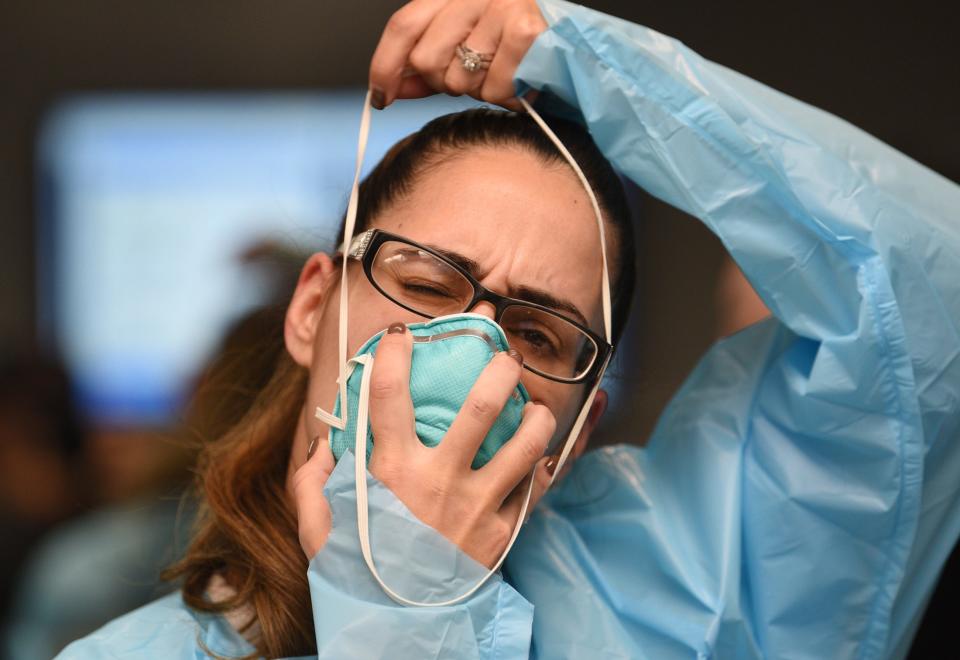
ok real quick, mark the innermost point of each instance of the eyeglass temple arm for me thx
(358, 246)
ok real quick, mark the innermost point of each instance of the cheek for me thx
(368, 313)
(563, 400)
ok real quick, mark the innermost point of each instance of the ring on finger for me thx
(472, 60)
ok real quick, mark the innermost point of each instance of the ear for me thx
(597, 408)
(306, 307)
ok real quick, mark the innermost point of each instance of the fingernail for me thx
(396, 329)
(312, 448)
(515, 354)
(551, 465)
(377, 99)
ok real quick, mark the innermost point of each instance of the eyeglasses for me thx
(427, 283)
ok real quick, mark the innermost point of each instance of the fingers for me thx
(425, 34)
(399, 37)
(520, 30)
(484, 38)
(414, 87)
(391, 409)
(313, 511)
(432, 55)
(525, 449)
(481, 407)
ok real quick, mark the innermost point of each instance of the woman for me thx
(799, 494)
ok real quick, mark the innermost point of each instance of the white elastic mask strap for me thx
(348, 228)
(575, 431)
(605, 281)
(604, 285)
(363, 522)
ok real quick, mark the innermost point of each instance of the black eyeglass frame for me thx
(365, 246)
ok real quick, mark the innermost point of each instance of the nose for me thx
(485, 308)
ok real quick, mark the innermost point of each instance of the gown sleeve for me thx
(800, 493)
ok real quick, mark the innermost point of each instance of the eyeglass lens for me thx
(430, 286)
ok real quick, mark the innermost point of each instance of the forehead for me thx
(526, 223)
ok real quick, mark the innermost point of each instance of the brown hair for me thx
(247, 529)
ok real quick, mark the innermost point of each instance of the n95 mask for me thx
(449, 353)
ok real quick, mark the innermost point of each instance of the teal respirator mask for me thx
(449, 352)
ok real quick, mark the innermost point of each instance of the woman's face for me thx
(529, 227)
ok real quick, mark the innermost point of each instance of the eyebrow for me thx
(465, 263)
(526, 293)
(541, 297)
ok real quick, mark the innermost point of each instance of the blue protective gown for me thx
(799, 494)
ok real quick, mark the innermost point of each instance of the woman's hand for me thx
(417, 53)
(314, 518)
(475, 509)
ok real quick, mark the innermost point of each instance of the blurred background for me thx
(164, 167)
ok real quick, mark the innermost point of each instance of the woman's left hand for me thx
(417, 54)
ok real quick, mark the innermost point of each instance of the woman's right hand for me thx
(475, 509)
